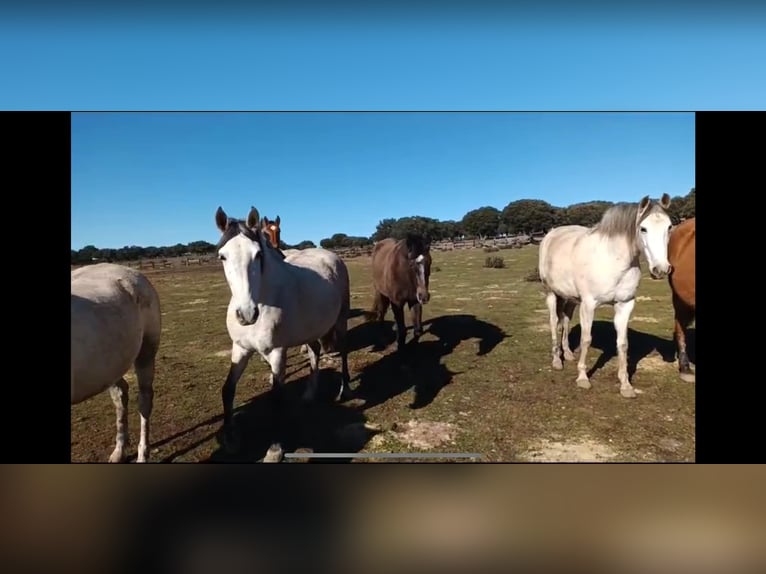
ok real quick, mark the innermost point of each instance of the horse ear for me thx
(643, 204)
(253, 219)
(277, 220)
(220, 219)
(665, 201)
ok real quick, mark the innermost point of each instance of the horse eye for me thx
(643, 230)
(221, 257)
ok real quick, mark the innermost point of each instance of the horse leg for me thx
(401, 328)
(416, 310)
(119, 393)
(587, 311)
(239, 359)
(622, 311)
(683, 318)
(380, 306)
(314, 350)
(341, 342)
(568, 312)
(551, 303)
(278, 362)
(145, 375)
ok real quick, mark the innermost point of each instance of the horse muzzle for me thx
(248, 317)
(660, 271)
(423, 298)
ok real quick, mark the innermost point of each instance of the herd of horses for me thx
(301, 298)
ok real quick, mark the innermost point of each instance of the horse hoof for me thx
(688, 377)
(569, 356)
(628, 392)
(417, 333)
(116, 457)
(583, 383)
(231, 442)
(557, 365)
(274, 454)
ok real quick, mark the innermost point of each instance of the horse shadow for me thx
(640, 345)
(420, 367)
(320, 426)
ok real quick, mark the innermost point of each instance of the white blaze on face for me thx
(241, 265)
(421, 271)
(654, 233)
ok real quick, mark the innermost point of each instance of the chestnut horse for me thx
(273, 232)
(681, 256)
(400, 273)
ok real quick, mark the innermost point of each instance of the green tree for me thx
(483, 221)
(528, 215)
(385, 228)
(587, 214)
(688, 209)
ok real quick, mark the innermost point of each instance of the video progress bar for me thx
(383, 455)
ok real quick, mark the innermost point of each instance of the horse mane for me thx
(620, 219)
(417, 244)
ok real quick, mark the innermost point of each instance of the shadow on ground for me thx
(322, 426)
(420, 368)
(640, 345)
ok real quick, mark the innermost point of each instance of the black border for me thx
(729, 159)
(729, 154)
(38, 186)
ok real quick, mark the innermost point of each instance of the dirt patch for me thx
(654, 363)
(423, 434)
(224, 353)
(196, 302)
(643, 298)
(640, 319)
(585, 450)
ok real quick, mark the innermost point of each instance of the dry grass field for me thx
(480, 380)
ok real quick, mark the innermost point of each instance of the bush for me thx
(533, 276)
(494, 262)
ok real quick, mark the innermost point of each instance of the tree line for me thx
(521, 216)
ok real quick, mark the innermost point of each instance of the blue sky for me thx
(560, 56)
(157, 178)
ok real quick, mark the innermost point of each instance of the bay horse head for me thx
(272, 230)
(419, 258)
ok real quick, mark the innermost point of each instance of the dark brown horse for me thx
(401, 270)
(681, 255)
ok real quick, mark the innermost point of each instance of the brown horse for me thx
(400, 273)
(681, 256)
(272, 230)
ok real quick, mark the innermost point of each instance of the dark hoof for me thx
(231, 441)
(417, 332)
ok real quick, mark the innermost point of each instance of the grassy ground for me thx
(480, 380)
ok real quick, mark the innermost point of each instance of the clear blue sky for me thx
(565, 56)
(157, 178)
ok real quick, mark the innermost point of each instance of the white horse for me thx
(116, 324)
(600, 265)
(276, 303)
